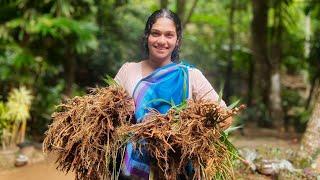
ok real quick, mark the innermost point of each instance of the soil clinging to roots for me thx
(83, 134)
(89, 135)
(187, 135)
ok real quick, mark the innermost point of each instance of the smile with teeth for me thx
(160, 48)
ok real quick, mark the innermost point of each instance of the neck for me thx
(155, 63)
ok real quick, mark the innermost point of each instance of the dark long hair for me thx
(152, 19)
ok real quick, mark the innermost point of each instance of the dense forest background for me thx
(265, 53)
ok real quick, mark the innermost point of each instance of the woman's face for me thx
(162, 40)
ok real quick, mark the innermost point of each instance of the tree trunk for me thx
(181, 9)
(250, 83)
(310, 142)
(22, 131)
(182, 12)
(315, 81)
(163, 4)
(230, 53)
(275, 106)
(307, 44)
(260, 51)
(187, 18)
(69, 72)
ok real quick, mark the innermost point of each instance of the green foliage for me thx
(13, 116)
(234, 104)
(3, 117)
(36, 42)
(290, 98)
(3, 111)
(19, 103)
(294, 110)
(109, 81)
(261, 113)
(44, 105)
(56, 27)
(38, 38)
(232, 150)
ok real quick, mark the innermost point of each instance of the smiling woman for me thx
(159, 79)
(163, 31)
(162, 41)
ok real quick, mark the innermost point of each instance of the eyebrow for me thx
(161, 31)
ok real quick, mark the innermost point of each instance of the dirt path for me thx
(260, 137)
(39, 171)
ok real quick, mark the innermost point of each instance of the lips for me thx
(161, 49)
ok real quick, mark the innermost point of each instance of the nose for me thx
(161, 40)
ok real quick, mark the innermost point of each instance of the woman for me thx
(159, 81)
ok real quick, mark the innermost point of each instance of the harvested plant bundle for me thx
(83, 132)
(184, 135)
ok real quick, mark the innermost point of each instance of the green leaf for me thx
(19, 104)
(172, 102)
(221, 93)
(231, 129)
(110, 81)
(233, 104)
(231, 148)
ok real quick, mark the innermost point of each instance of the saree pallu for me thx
(166, 86)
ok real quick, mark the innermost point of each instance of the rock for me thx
(21, 160)
(272, 167)
(249, 155)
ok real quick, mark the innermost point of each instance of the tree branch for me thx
(187, 19)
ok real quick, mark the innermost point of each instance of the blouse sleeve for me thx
(121, 77)
(201, 87)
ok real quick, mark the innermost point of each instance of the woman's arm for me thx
(203, 90)
(121, 76)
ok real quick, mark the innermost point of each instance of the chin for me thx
(160, 57)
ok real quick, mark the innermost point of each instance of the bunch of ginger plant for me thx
(83, 133)
(188, 134)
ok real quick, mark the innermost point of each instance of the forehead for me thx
(164, 24)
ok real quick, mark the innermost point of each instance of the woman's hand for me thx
(226, 123)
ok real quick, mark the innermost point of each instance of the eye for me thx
(155, 34)
(170, 35)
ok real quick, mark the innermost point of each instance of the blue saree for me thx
(165, 86)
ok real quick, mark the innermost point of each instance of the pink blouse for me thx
(131, 73)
